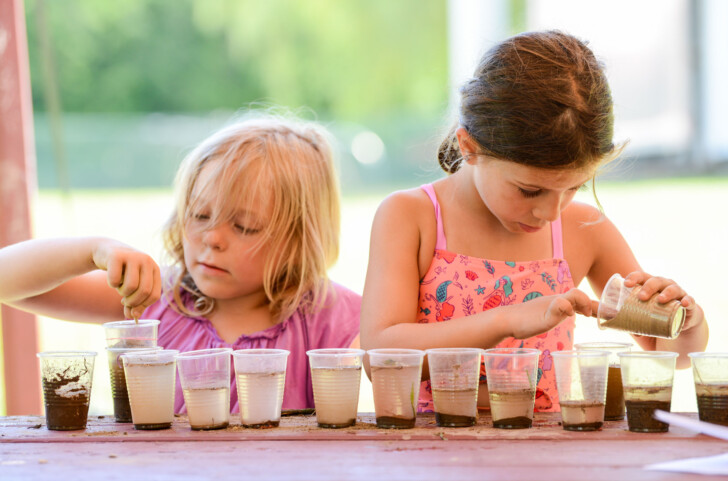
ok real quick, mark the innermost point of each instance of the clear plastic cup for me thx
(512, 375)
(647, 378)
(336, 376)
(122, 409)
(581, 379)
(141, 333)
(66, 377)
(614, 408)
(150, 381)
(205, 378)
(710, 372)
(261, 377)
(396, 377)
(454, 376)
(620, 308)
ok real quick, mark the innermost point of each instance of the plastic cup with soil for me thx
(620, 308)
(647, 378)
(396, 377)
(512, 374)
(150, 382)
(66, 377)
(119, 394)
(261, 377)
(614, 407)
(205, 378)
(336, 377)
(454, 376)
(581, 380)
(131, 333)
(710, 372)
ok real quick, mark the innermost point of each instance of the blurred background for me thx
(122, 90)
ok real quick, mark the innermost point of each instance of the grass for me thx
(676, 228)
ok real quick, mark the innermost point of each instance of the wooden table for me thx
(298, 449)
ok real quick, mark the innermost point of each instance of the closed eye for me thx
(245, 230)
(529, 193)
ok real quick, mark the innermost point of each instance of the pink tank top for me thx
(456, 286)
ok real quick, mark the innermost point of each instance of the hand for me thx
(133, 274)
(544, 313)
(669, 291)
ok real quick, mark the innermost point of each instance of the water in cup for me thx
(119, 393)
(512, 376)
(260, 376)
(454, 377)
(336, 377)
(150, 382)
(581, 380)
(396, 377)
(205, 378)
(614, 407)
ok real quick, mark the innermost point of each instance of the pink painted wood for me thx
(298, 449)
(17, 182)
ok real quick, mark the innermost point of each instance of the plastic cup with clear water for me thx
(454, 377)
(710, 373)
(261, 376)
(647, 378)
(336, 377)
(396, 377)
(150, 382)
(620, 308)
(130, 333)
(119, 393)
(66, 377)
(205, 378)
(581, 380)
(512, 375)
(614, 407)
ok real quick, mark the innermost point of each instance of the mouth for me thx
(210, 268)
(528, 228)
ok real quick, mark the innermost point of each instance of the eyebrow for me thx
(539, 187)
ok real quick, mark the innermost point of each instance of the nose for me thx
(549, 209)
(214, 238)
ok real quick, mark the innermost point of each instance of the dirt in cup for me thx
(395, 395)
(582, 415)
(66, 401)
(614, 408)
(512, 409)
(641, 403)
(713, 403)
(122, 409)
(455, 408)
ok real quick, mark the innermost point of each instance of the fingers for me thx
(651, 285)
(581, 303)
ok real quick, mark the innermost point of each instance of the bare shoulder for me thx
(405, 210)
(583, 221)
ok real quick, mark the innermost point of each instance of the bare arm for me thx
(54, 277)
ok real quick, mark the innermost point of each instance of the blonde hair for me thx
(290, 163)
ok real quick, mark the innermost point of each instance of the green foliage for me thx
(343, 59)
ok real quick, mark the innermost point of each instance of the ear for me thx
(468, 146)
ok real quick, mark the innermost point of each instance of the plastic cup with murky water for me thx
(620, 308)
(66, 377)
(710, 372)
(581, 380)
(122, 409)
(150, 382)
(261, 378)
(205, 378)
(336, 376)
(512, 375)
(614, 407)
(647, 378)
(130, 333)
(454, 376)
(396, 376)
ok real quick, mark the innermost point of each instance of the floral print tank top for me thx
(456, 286)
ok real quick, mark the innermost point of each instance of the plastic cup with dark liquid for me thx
(66, 377)
(710, 372)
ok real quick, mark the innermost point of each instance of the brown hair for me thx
(540, 99)
(289, 161)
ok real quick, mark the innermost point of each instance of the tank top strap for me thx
(441, 243)
(557, 240)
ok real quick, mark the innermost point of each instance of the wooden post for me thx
(17, 184)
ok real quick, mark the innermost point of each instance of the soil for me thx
(713, 409)
(519, 422)
(338, 426)
(454, 420)
(152, 427)
(584, 426)
(639, 416)
(263, 425)
(614, 408)
(65, 412)
(391, 422)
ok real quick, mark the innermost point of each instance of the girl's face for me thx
(222, 259)
(525, 199)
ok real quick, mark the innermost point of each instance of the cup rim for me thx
(702, 354)
(134, 349)
(453, 350)
(395, 350)
(511, 351)
(581, 353)
(649, 354)
(67, 354)
(260, 352)
(604, 344)
(335, 351)
(213, 351)
(131, 322)
(171, 352)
